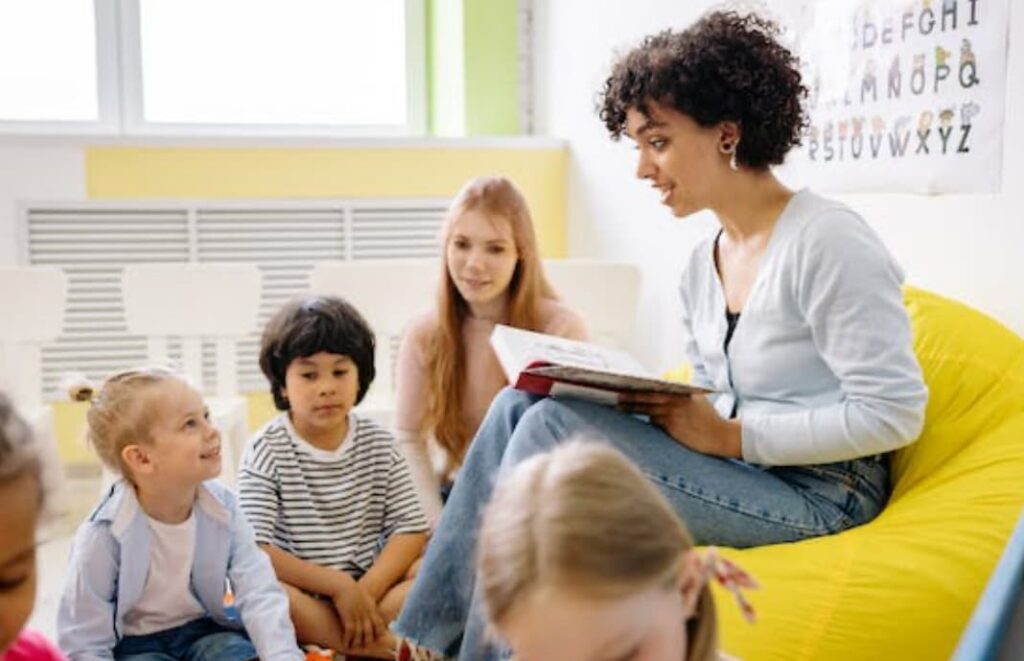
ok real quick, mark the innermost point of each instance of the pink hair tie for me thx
(733, 578)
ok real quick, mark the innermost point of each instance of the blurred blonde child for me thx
(166, 566)
(580, 558)
(21, 492)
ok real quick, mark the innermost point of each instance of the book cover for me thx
(550, 365)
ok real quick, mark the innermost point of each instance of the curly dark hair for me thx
(725, 67)
(307, 326)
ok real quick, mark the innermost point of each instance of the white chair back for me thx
(604, 293)
(32, 302)
(388, 293)
(194, 302)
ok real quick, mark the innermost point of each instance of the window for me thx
(55, 61)
(292, 66)
(243, 67)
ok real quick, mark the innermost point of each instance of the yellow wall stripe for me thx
(142, 172)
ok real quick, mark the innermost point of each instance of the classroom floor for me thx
(78, 496)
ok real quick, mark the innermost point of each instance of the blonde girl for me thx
(580, 558)
(447, 373)
(156, 567)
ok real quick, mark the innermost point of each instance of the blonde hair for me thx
(497, 197)
(584, 518)
(120, 415)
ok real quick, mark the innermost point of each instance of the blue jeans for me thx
(723, 501)
(199, 640)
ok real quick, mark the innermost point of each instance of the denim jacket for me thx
(110, 562)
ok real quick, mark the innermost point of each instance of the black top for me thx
(731, 318)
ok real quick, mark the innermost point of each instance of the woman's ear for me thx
(729, 135)
(692, 580)
(137, 459)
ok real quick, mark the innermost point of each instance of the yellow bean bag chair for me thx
(904, 585)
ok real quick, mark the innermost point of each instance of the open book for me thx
(551, 365)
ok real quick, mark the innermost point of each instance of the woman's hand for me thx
(690, 420)
(361, 623)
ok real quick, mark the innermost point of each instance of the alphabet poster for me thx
(905, 95)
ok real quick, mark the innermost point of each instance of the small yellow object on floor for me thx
(904, 585)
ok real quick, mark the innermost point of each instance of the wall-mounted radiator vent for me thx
(92, 241)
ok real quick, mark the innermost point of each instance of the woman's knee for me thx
(514, 401)
(545, 424)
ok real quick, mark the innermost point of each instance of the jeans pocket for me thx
(862, 487)
(871, 479)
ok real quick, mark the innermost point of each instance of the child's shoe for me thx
(315, 653)
(406, 650)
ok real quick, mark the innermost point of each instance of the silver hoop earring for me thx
(731, 149)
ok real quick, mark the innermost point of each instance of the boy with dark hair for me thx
(330, 497)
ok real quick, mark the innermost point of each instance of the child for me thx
(21, 492)
(447, 373)
(156, 566)
(580, 557)
(329, 495)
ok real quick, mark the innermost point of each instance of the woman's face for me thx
(482, 256)
(20, 497)
(561, 624)
(680, 158)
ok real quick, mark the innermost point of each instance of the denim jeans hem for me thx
(394, 628)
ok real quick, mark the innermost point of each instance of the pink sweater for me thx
(31, 646)
(484, 376)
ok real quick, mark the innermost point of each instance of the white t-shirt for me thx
(167, 600)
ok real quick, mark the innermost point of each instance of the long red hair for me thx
(501, 201)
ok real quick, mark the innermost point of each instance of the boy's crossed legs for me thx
(318, 619)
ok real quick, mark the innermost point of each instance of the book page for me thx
(516, 349)
(576, 355)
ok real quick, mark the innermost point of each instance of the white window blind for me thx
(92, 241)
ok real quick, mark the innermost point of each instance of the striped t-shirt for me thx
(334, 508)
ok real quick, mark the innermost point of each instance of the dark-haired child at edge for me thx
(794, 312)
(21, 492)
(328, 493)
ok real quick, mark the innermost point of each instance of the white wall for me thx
(31, 172)
(968, 247)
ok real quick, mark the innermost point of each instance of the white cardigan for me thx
(820, 365)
